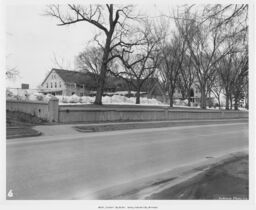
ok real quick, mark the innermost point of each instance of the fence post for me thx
(53, 109)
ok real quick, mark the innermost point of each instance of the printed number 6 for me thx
(10, 194)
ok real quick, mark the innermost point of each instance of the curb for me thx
(87, 128)
(23, 135)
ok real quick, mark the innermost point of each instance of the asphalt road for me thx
(78, 165)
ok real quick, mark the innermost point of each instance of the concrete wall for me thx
(43, 110)
(53, 112)
(81, 114)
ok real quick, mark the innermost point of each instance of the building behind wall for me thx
(65, 82)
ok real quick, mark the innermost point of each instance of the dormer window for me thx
(46, 85)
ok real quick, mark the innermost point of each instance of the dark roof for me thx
(88, 79)
(77, 77)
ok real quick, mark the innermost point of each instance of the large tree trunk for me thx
(138, 96)
(227, 98)
(171, 100)
(100, 88)
(189, 97)
(227, 102)
(231, 102)
(171, 92)
(203, 98)
(103, 71)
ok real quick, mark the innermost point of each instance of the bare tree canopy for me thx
(172, 58)
(195, 50)
(211, 35)
(90, 60)
(140, 59)
(111, 20)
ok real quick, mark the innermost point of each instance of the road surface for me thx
(78, 165)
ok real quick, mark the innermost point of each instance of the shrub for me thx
(40, 97)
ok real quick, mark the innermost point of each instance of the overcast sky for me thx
(34, 39)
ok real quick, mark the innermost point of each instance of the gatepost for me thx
(53, 110)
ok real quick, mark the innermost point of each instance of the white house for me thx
(65, 82)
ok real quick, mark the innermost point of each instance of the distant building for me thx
(65, 82)
(195, 94)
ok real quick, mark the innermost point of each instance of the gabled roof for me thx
(87, 79)
(77, 77)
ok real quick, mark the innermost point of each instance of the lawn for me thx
(20, 124)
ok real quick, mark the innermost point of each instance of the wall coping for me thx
(27, 101)
(90, 109)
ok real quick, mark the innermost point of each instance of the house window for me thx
(51, 84)
(60, 84)
(46, 85)
(55, 84)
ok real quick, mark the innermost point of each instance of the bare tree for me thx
(217, 90)
(140, 59)
(187, 78)
(172, 58)
(109, 19)
(240, 79)
(229, 68)
(206, 37)
(89, 60)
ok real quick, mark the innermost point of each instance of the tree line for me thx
(206, 45)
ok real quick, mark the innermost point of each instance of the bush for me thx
(40, 97)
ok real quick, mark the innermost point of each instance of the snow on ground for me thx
(118, 98)
(115, 99)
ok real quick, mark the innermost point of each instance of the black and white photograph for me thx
(129, 101)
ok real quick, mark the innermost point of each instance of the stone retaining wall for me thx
(79, 114)
(53, 112)
(44, 110)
